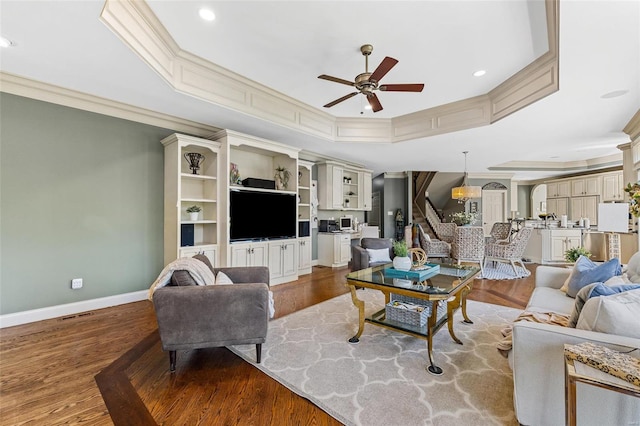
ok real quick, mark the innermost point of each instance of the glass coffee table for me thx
(446, 291)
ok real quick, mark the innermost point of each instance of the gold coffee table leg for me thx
(432, 368)
(451, 307)
(463, 299)
(360, 305)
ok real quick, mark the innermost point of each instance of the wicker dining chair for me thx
(509, 251)
(432, 247)
(446, 231)
(468, 245)
(500, 231)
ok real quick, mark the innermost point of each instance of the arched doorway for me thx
(494, 205)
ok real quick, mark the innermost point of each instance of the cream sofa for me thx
(537, 360)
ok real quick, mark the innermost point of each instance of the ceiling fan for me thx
(367, 82)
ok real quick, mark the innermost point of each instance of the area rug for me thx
(382, 380)
(502, 271)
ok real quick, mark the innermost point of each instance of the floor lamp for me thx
(613, 218)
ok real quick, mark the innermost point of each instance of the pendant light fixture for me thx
(465, 192)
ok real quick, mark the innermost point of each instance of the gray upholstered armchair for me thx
(193, 317)
(360, 257)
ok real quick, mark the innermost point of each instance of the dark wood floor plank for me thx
(47, 368)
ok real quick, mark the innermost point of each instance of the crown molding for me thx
(559, 166)
(633, 127)
(502, 176)
(136, 25)
(21, 86)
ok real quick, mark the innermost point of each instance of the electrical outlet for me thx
(76, 283)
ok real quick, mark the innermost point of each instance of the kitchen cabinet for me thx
(334, 249)
(584, 207)
(558, 189)
(282, 260)
(559, 206)
(343, 188)
(558, 241)
(549, 245)
(588, 185)
(613, 187)
(364, 200)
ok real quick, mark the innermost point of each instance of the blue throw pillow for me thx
(604, 290)
(586, 272)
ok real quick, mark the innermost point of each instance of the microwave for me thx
(346, 223)
(327, 226)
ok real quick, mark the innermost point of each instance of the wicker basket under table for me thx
(411, 310)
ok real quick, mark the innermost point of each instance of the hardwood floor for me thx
(47, 369)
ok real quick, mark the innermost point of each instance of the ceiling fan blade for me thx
(384, 67)
(344, 98)
(401, 87)
(374, 102)
(336, 80)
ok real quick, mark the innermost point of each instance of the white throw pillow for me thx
(616, 314)
(378, 255)
(223, 279)
(633, 268)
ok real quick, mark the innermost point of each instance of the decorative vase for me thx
(193, 216)
(194, 159)
(402, 263)
(278, 180)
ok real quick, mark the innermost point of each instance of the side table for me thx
(582, 373)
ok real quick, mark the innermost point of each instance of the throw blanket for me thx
(504, 346)
(198, 270)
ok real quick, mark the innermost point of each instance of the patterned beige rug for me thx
(382, 380)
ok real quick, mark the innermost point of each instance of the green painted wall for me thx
(81, 196)
(524, 200)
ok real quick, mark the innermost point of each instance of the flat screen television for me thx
(256, 215)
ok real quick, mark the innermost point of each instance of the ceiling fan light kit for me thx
(367, 82)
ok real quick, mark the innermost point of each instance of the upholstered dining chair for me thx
(446, 231)
(509, 251)
(468, 245)
(432, 247)
(500, 231)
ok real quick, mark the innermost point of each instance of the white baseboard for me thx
(25, 317)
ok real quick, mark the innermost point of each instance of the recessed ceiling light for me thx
(614, 94)
(367, 106)
(207, 14)
(479, 73)
(5, 42)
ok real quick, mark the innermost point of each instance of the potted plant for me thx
(463, 218)
(193, 212)
(401, 261)
(282, 177)
(574, 253)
